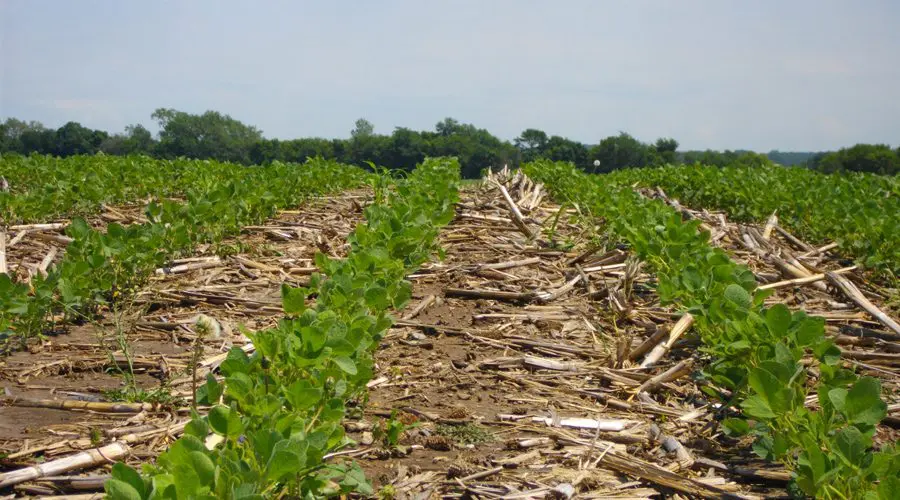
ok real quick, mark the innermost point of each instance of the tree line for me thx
(218, 136)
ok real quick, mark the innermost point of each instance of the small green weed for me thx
(465, 434)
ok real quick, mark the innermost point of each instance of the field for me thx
(194, 329)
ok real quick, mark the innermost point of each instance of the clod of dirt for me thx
(438, 443)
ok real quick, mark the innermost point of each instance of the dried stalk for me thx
(677, 371)
(855, 295)
(47, 260)
(678, 330)
(80, 405)
(85, 459)
(803, 281)
(771, 223)
(514, 210)
(3, 268)
(53, 226)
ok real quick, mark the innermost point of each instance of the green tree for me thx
(76, 139)
(362, 128)
(210, 135)
(666, 148)
(871, 158)
(405, 149)
(114, 145)
(559, 148)
(38, 141)
(532, 143)
(12, 131)
(139, 140)
(475, 148)
(447, 127)
(620, 151)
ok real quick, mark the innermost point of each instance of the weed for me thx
(161, 395)
(387, 492)
(96, 436)
(465, 434)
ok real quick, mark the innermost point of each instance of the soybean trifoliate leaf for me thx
(738, 296)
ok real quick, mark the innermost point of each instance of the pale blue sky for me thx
(789, 75)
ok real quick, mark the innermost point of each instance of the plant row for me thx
(100, 268)
(43, 188)
(859, 211)
(278, 412)
(756, 353)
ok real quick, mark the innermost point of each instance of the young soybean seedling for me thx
(205, 326)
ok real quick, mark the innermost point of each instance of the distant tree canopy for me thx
(219, 136)
(872, 158)
(789, 158)
(210, 135)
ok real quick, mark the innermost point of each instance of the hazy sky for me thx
(789, 75)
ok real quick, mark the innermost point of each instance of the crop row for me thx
(756, 353)
(278, 412)
(42, 188)
(861, 212)
(102, 267)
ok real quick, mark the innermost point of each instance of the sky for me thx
(721, 74)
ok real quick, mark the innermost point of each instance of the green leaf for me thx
(736, 427)
(863, 404)
(402, 296)
(187, 482)
(117, 489)
(313, 338)
(237, 361)
(778, 319)
(838, 398)
(738, 296)
(377, 298)
(225, 421)
(346, 364)
(827, 352)
(851, 445)
(888, 488)
(757, 406)
(197, 427)
(209, 393)
(810, 331)
(355, 481)
(203, 466)
(302, 395)
(128, 475)
(769, 388)
(288, 459)
(293, 300)
(812, 466)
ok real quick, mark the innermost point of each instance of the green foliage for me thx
(869, 158)
(44, 187)
(666, 149)
(532, 143)
(725, 158)
(210, 135)
(468, 433)
(756, 352)
(790, 158)
(856, 210)
(100, 268)
(283, 405)
(620, 151)
(390, 431)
